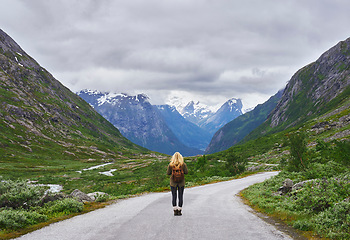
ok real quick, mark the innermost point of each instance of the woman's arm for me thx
(169, 170)
(185, 169)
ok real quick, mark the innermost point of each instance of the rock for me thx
(287, 186)
(95, 195)
(80, 196)
(254, 168)
(50, 197)
(300, 184)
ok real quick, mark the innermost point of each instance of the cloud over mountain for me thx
(246, 49)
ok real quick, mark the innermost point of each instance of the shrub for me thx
(102, 198)
(326, 170)
(338, 151)
(235, 164)
(334, 222)
(201, 162)
(319, 195)
(303, 225)
(298, 150)
(19, 194)
(67, 205)
(16, 219)
(342, 150)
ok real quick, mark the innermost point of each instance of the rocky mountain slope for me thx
(42, 119)
(195, 112)
(205, 117)
(230, 110)
(187, 132)
(312, 91)
(237, 129)
(162, 128)
(138, 120)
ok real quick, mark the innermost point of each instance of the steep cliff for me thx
(312, 91)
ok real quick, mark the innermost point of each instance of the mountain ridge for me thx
(234, 131)
(311, 91)
(189, 133)
(230, 110)
(38, 112)
(138, 120)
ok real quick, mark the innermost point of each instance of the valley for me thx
(162, 128)
(120, 144)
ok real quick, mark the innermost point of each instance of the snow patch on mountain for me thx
(114, 98)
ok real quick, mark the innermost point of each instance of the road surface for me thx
(210, 212)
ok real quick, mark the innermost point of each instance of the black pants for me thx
(174, 191)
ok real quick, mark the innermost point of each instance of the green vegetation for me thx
(328, 162)
(322, 204)
(319, 151)
(22, 205)
(48, 135)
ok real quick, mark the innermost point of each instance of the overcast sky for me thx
(210, 50)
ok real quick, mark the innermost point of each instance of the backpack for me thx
(178, 174)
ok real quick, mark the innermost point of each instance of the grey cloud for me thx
(186, 45)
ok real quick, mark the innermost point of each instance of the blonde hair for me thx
(177, 160)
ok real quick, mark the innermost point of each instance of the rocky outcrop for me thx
(313, 86)
(288, 186)
(80, 196)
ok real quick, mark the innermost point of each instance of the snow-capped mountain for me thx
(205, 117)
(192, 111)
(226, 113)
(196, 112)
(138, 120)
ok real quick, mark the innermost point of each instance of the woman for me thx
(177, 182)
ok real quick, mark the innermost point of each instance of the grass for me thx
(88, 207)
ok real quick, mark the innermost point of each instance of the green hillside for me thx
(44, 127)
(315, 89)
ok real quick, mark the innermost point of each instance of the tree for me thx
(298, 150)
(235, 164)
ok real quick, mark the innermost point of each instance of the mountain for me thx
(138, 120)
(187, 132)
(204, 117)
(312, 91)
(236, 130)
(226, 113)
(42, 119)
(195, 112)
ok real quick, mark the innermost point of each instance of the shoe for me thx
(176, 212)
(179, 211)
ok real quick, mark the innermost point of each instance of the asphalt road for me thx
(210, 212)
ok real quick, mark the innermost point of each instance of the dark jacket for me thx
(170, 171)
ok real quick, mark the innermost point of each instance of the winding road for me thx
(210, 212)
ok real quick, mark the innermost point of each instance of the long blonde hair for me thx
(177, 160)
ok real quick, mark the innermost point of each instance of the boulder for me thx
(80, 196)
(95, 195)
(300, 184)
(287, 186)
